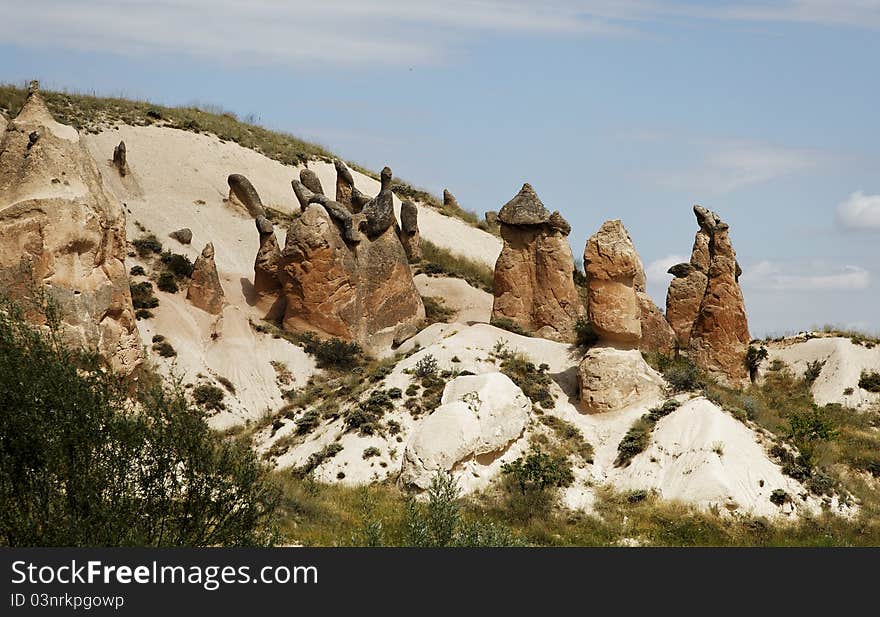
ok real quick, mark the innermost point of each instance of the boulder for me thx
(534, 284)
(268, 257)
(204, 290)
(311, 181)
(610, 379)
(184, 236)
(119, 159)
(62, 234)
(720, 336)
(409, 231)
(612, 268)
(243, 194)
(479, 415)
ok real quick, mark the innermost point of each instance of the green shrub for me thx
(814, 369)
(586, 334)
(167, 283)
(308, 422)
(681, 374)
(436, 310)
(77, 468)
(209, 396)
(509, 325)
(442, 261)
(164, 349)
(143, 314)
(538, 471)
(179, 266)
(426, 367)
(570, 437)
(367, 415)
(533, 380)
(142, 296)
(870, 381)
(371, 452)
(137, 271)
(779, 497)
(754, 357)
(333, 353)
(317, 458)
(146, 245)
(638, 437)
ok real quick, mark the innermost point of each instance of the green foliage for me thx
(426, 367)
(316, 458)
(680, 373)
(814, 369)
(436, 310)
(439, 260)
(570, 437)
(147, 245)
(638, 437)
(333, 353)
(142, 313)
(508, 324)
(142, 296)
(179, 266)
(533, 380)
(164, 349)
(870, 381)
(538, 471)
(137, 271)
(370, 452)
(79, 468)
(208, 396)
(754, 357)
(308, 422)
(586, 334)
(167, 283)
(779, 497)
(811, 426)
(366, 417)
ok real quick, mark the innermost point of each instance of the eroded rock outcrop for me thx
(311, 181)
(720, 336)
(612, 268)
(340, 282)
(60, 233)
(479, 415)
(204, 290)
(267, 260)
(120, 161)
(610, 379)
(409, 231)
(243, 194)
(344, 185)
(534, 285)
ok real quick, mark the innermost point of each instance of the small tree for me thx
(539, 471)
(754, 357)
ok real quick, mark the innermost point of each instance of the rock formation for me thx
(266, 263)
(242, 193)
(534, 285)
(478, 415)
(720, 336)
(610, 379)
(310, 180)
(379, 212)
(119, 159)
(303, 194)
(449, 200)
(184, 236)
(341, 215)
(360, 291)
(704, 303)
(409, 231)
(60, 233)
(687, 289)
(491, 218)
(344, 185)
(612, 268)
(205, 290)
(2, 124)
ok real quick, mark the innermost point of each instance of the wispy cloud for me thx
(860, 212)
(381, 32)
(724, 166)
(813, 276)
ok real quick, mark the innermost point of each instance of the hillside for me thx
(470, 395)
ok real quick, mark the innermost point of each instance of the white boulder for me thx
(610, 379)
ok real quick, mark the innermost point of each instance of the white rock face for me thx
(479, 415)
(612, 379)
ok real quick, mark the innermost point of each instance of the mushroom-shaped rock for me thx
(611, 379)
(478, 415)
(612, 266)
(311, 181)
(379, 213)
(61, 233)
(242, 193)
(184, 235)
(533, 283)
(120, 160)
(409, 231)
(204, 289)
(268, 257)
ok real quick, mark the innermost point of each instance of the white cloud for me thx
(356, 32)
(725, 166)
(656, 271)
(860, 212)
(814, 276)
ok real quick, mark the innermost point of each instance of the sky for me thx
(765, 112)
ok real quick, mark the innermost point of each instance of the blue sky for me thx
(766, 112)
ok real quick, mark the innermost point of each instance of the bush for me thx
(509, 325)
(367, 415)
(779, 497)
(69, 444)
(145, 245)
(681, 374)
(142, 296)
(308, 422)
(870, 381)
(586, 334)
(333, 353)
(164, 349)
(814, 369)
(143, 314)
(317, 458)
(371, 452)
(167, 283)
(638, 437)
(436, 310)
(179, 266)
(539, 471)
(137, 271)
(533, 380)
(209, 396)
(754, 357)
(426, 367)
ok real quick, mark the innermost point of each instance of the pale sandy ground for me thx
(178, 180)
(844, 363)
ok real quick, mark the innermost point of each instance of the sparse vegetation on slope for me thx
(437, 260)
